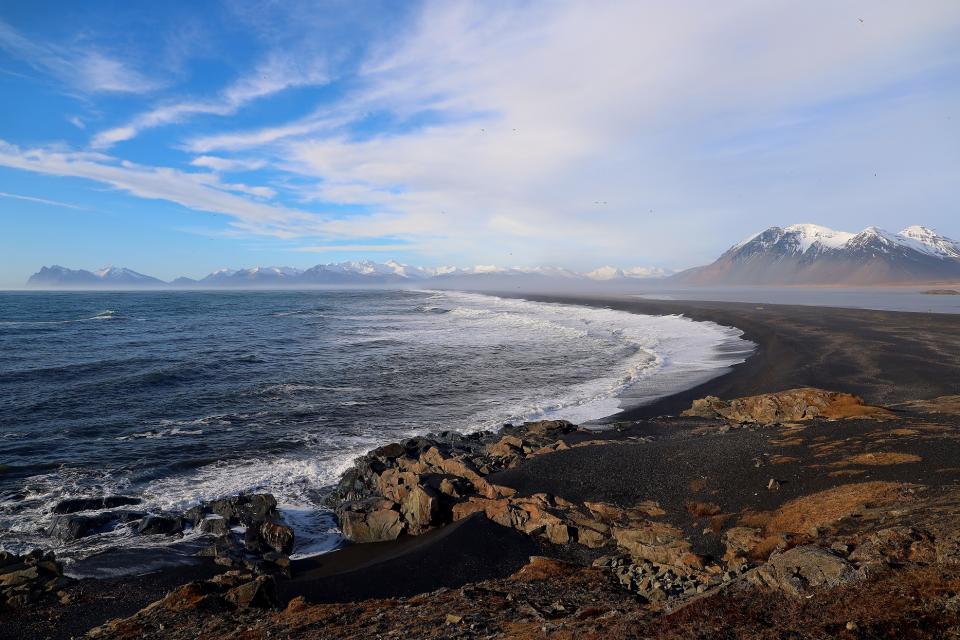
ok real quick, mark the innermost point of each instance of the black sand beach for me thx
(885, 357)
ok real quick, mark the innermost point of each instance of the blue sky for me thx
(178, 138)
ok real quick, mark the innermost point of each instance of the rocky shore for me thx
(828, 501)
(749, 507)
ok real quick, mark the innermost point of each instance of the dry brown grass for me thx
(903, 432)
(877, 459)
(825, 507)
(788, 442)
(907, 605)
(755, 519)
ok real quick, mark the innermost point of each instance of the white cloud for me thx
(226, 164)
(596, 128)
(198, 191)
(330, 248)
(277, 73)
(591, 132)
(84, 68)
(53, 203)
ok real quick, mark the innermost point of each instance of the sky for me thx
(177, 138)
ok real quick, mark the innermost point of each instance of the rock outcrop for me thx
(29, 578)
(804, 569)
(786, 406)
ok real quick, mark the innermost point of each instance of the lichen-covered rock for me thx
(370, 520)
(801, 570)
(786, 406)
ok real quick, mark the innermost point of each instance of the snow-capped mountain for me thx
(812, 254)
(115, 277)
(364, 272)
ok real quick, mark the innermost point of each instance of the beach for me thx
(645, 454)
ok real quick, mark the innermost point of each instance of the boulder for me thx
(420, 509)
(74, 505)
(277, 536)
(73, 527)
(245, 509)
(215, 525)
(160, 525)
(657, 542)
(370, 520)
(801, 570)
(259, 593)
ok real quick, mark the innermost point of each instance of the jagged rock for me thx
(259, 593)
(420, 508)
(657, 542)
(74, 505)
(215, 525)
(28, 578)
(160, 525)
(370, 520)
(803, 569)
(245, 509)
(793, 405)
(277, 536)
(74, 527)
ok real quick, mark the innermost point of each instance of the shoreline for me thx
(886, 357)
(867, 352)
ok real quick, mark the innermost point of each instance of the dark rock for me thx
(277, 536)
(73, 505)
(260, 593)
(74, 527)
(156, 525)
(215, 525)
(245, 509)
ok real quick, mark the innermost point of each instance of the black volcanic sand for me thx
(883, 356)
(886, 357)
(94, 601)
(689, 460)
(466, 551)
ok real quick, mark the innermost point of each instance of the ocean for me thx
(179, 397)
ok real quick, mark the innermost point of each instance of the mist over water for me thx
(177, 397)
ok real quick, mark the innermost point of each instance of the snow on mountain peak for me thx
(808, 234)
(926, 240)
(605, 273)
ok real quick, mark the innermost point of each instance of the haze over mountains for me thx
(800, 254)
(342, 273)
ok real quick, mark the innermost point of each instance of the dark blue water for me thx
(182, 396)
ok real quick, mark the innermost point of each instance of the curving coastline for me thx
(887, 358)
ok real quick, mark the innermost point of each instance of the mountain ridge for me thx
(809, 254)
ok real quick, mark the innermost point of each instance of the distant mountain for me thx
(364, 273)
(811, 254)
(57, 277)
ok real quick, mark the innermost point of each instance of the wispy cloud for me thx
(53, 203)
(278, 73)
(227, 164)
(199, 191)
(330, 248)
(84, 68)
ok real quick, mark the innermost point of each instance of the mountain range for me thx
(340, 273)
(799, 254)
(809, 254)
